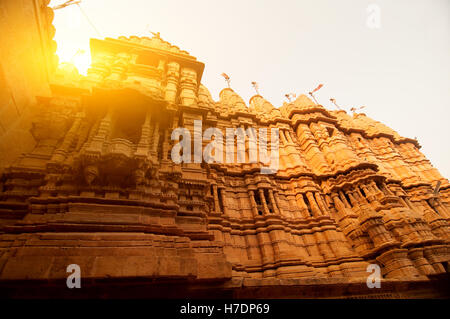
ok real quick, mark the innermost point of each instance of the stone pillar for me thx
(344, 199)
(224, 200)
(314, 207)
(288, 136)
(173, 75)
(253, 203)
(420, 262)
(397, 264)
(282, 137)
(322, 205)
(272, 201)
(277, 201)
(304, 211)
(263, 201)
(103, 131)
(144, 142)
(155, 139)
(60, 154)
(430, 254)
(188, 86)
(166, 145)
(340, 206)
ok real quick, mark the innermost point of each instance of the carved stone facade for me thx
(100, 189)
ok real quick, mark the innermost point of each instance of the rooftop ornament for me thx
(354, 109)
(255, 86)
(156, 35)
(227, 79)
(334, 102)
(290, 96)
(315, 90)
(66, 4)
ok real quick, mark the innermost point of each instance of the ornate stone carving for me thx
(349, 191)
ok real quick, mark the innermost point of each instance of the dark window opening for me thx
(128, 123)
(220, 200)
(305, 199)
(266, 195)
(363, 192)
(347, 198)
(330, 131)
(379, 185)
(257, 198)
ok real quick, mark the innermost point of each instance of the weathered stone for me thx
(100, 190)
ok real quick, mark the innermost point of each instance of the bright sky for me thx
(399, 71)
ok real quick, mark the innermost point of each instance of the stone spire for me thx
(232, 100)
(304, 102)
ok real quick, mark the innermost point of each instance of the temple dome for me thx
(204, 95)
(260, 104)
(231, 99)
(304, 102)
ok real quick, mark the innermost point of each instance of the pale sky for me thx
(400, 71)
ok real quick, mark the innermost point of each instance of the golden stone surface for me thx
(99, 189)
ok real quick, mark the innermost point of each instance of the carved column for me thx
(253, 203)
(277, 202)
(188, 86)
(302, 205)
(155, 139)
(224, 200)
(322, 205)
(263, 201)
(60, 154)
(173, 75)
(314, 207)
(144, 142)
(272, 201)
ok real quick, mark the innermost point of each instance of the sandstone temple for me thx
(88, 180)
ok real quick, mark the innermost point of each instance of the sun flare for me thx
(80, 58)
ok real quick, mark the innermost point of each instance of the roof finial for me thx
(227, 78)
(436, 190)
(334, 102)
(354, 109)
(255, 86)
(316, 89)
(156, 34)
(290, 96)
(66, 4)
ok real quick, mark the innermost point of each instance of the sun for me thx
(72, 36)
(79, 57)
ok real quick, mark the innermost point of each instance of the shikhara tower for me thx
(100, 190)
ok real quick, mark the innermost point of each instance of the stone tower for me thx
(100, 190)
